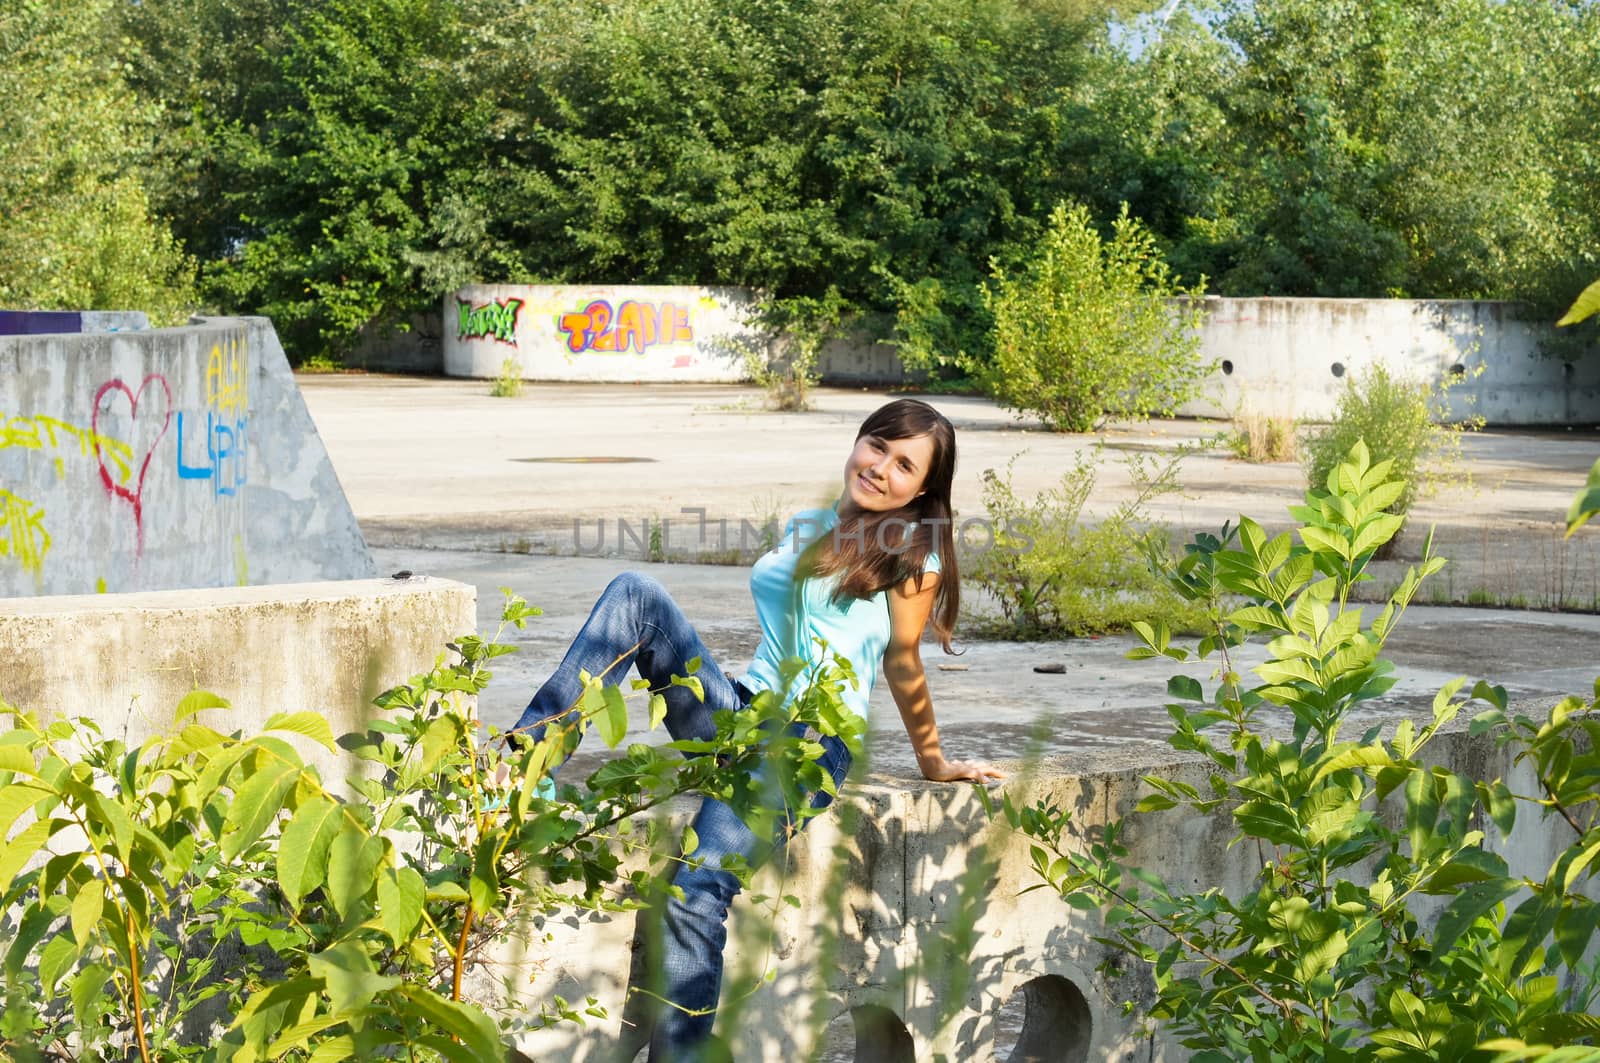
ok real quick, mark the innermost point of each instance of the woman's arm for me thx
(902, 667)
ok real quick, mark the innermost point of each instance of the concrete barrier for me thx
(1293, 358)
(149, 459)
(921, 871)
(1279, 357)
(126, 660)
(598, 332)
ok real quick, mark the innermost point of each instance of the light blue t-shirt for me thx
(856, 629)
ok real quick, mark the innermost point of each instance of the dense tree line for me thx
(335, 163)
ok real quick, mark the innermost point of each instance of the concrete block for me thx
(126, 660)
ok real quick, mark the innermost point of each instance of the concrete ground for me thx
(449, 482)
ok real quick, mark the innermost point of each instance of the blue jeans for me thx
(637, 620)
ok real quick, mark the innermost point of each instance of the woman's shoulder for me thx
(811, 523)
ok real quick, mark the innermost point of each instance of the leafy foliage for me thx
(1326, 955)
(1086, 332)
(1586, 503)
(1404, 422)
(80, 231)
(344, 163)
(1312, 152)
(1055, 573)
(206, 877)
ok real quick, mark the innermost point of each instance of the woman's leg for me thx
(694, 930)
(637, 621)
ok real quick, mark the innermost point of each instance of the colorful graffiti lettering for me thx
(227, 424)
(227, 386)
(496, 321)
(22, 533)
(226, 452)
(634, 325)
(113, 388)
(47, 433)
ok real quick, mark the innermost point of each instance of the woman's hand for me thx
(939, 769)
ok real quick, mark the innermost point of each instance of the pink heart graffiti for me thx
(114, 489)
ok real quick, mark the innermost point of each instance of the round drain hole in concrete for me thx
(598, 459)
(1056, 1024)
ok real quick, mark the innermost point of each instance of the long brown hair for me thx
(875, 551)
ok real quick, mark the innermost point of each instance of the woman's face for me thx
(885, 474)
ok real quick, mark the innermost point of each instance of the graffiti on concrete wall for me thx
(42, 433)
(219, 455)
(22, 533)
(149, 415)
(634, 326)
(496, 321)
(129, 424)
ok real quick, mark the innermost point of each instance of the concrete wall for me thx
(598, 332)
(1280, 357)
(163, 458)
(894, 888)
(415, 346)
(1293, 357)
(126, 660)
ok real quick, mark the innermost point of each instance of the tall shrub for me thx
(1402, 421)
(1086, 332)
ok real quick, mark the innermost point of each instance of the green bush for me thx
(1330, 954)
(1087, 332)
(1401, 421)
(80, 231)
(205, 880)
(1054, 574)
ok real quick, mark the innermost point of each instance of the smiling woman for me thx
(861, 579)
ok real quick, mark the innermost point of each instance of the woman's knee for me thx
(637, 586)
(707, 891)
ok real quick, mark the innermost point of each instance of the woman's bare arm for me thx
(909, 609)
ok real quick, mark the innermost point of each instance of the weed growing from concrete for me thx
(1055, 574)
(1401, 421)
(1259, 438)
(508, 385)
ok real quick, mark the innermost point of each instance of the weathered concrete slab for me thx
(126, 660)
(160, 458)
(914, 902)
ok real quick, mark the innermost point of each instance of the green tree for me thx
(1384, 148)
(79, 231)
(368, 155)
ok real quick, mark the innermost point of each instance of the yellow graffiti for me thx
(227, 386)
(22, 532)
(241, 562)
(47, 433)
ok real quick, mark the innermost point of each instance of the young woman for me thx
(868, 576)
